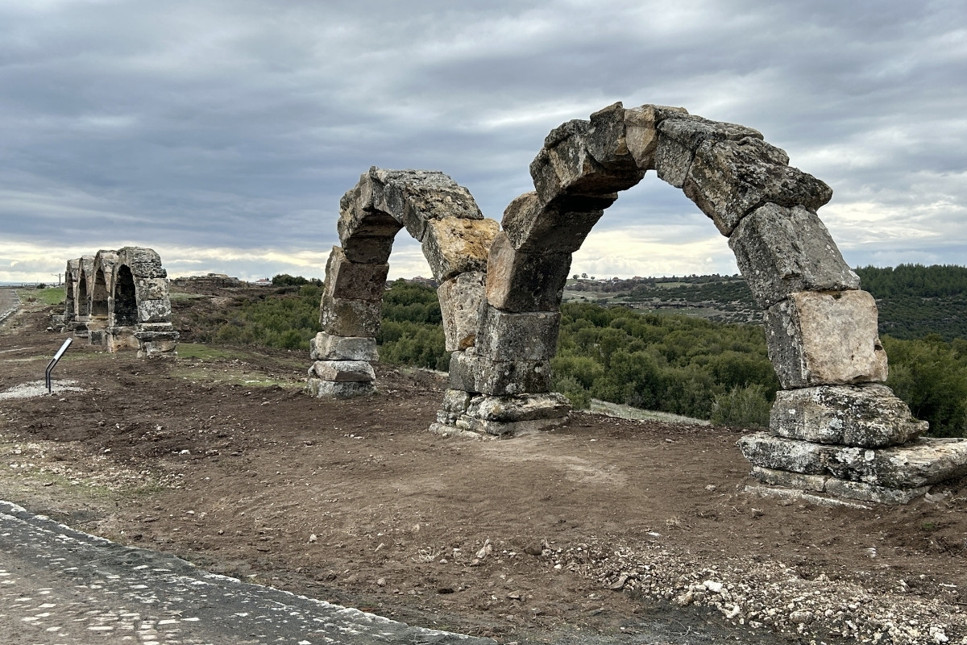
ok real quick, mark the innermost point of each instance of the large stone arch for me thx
(455, 237)
(835, 427)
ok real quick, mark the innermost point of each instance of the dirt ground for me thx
(604, 530)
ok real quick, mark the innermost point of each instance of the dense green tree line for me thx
(687, 366)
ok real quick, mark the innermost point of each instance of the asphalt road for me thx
(58, 585)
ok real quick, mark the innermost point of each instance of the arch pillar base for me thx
(857, 443)
(157, 340)
(323, 389)
(500, 416)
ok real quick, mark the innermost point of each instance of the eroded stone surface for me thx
(867, 416)
(781, 250)
(518, 336)
(325, 346)
(352, 280)
(343, 371)
(453, 245)
(730, 179)
(519, 282)
(919, 463)
(460, 301)
(825, 338)
(353, 318)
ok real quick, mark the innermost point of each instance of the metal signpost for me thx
(54, 361)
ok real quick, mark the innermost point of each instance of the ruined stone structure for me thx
(455, 236)
(835, 428)
(119, 300)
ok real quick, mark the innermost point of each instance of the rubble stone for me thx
(867, 416)
(781, 250)
(825, 338)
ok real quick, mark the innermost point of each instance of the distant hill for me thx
(914, 300)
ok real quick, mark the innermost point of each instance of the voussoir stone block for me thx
(559, 227)
(679, 137)
(641, 131)
(326, 347)
(868, 416)
(338, 371)
(358, 222)
(608, 146)
(461, 298)
(781, 250)
(352, 280)
(456, 245)
(525, 282)
(825, 338)
(729, 179)
(518, 336)
(353, 318)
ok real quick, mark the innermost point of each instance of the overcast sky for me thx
(222, 133)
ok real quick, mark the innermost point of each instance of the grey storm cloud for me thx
(238, 125)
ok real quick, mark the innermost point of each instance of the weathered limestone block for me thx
(790, 479)
(143, 262)
(474, 373)
(341, 371)
(326, 347)
(729, 179)
(151, 288)
(825, 338)
(641, 131)
(519, 408)
(559, 227)
(150, 311)
(338, 389)
(608, 146)
(563, 164)
(453, 245)
(838, 488)
(867, 416)
(525, 282)
(460, 301)
(873, 493)
(512, 336)
(157, 341)
(357, 221)
(922, 462)
(413, 197)
(679, 137)
(354, 281)
(780, 250)
(353, 318)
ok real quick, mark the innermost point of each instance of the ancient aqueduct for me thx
(119, 300)
(836, 431)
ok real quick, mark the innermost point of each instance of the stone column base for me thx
(500, 416)
(157, 341)
(889, 475)
(322, 389)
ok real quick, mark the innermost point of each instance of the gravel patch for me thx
(39, 388)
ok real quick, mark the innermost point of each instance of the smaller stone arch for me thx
(71, 275)
(455, 237)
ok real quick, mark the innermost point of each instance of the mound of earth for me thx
(604, 530)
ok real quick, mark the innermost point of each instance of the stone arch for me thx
(765, 207)
(85, 280)
(455, 237)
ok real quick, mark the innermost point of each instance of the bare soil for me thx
(604, 530)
